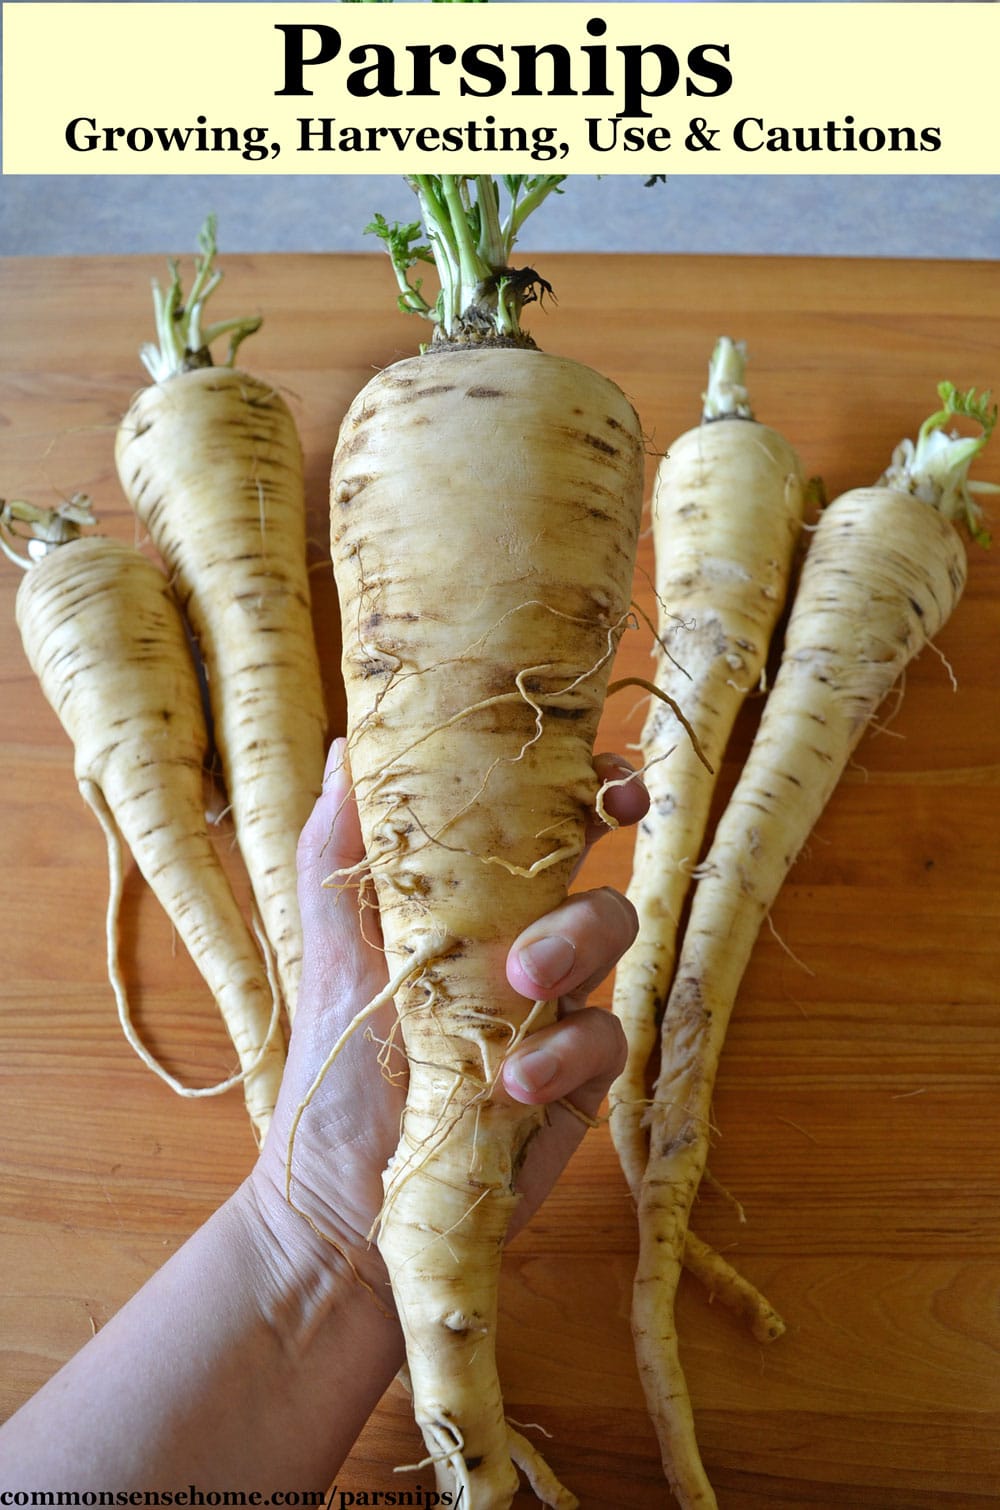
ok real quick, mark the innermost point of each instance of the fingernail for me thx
(547, 960)
(534, 1069)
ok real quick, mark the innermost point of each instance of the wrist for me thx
(304, 1277)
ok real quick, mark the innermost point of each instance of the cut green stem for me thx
(182, 343)
(42, 529)
(726, 396)
(935, 468)
(470, 237)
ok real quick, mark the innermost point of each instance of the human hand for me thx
(330, 1163)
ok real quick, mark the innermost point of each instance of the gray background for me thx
(873, 216)
(817, 216)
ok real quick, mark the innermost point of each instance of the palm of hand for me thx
(336, 1125)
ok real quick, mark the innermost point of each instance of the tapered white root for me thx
(211, 463)
(256, 1050)
(543, 1481)
(882, 575)
(104, 636)
(727, 509)
(727, 1284)
(474, 780)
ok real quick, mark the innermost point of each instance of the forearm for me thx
(226, 1370)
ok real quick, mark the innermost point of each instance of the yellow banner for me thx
(602, 88)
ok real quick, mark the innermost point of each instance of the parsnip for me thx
(210, 461)
(726, 513)
(485, 503)
(105, 639)
(885, 568)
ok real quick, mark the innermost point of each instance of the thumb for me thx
(331, 840)
(332, 891)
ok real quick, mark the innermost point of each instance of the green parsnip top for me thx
(182, 341)
(935, 467)
(467, 230)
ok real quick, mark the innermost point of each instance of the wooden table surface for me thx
(858, 1106)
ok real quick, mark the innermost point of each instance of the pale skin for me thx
(139, 743)
(256, 1354)
(885, 569)
(727, 507)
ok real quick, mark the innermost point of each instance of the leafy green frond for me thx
(399, 240)
(470, 224)
(981, 410)
(405, 252)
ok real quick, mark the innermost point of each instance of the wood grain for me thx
(858, 1107)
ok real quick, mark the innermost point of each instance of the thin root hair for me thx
(658, 638)
(378, 777)
(386, 1048)
(97, 802)
(477, 644)
(708, 1178)
(528, 1426)
(444, 1235)
(564, 852)
(539, 731)
(580, 1115)
(787, 947)
(640, 681)
(419, 1152)
(451, 1453)
(945, 663)
(433, 945)
(567, 851)
(491, 1078)
(608, 819)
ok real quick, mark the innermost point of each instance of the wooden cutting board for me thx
(857, 1114)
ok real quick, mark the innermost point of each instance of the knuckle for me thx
(618, 905)
(605, 924)
(608, 1049)
(612, 761)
